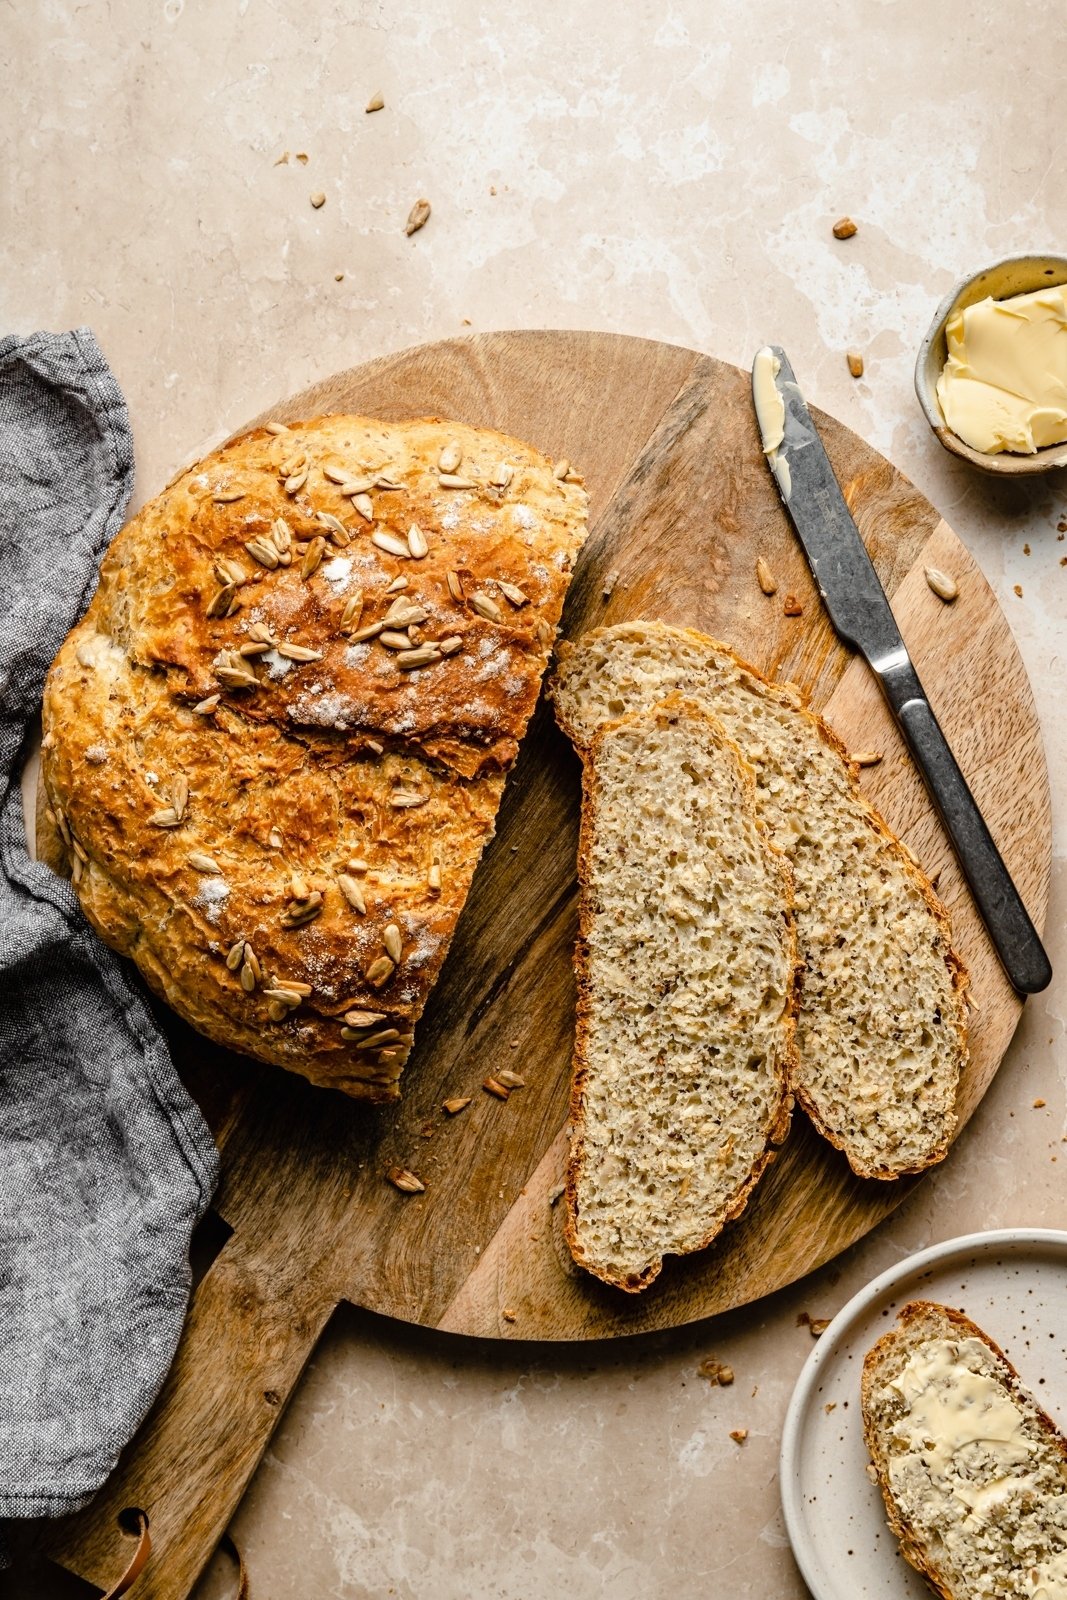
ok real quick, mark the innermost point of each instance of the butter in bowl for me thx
(991, 375)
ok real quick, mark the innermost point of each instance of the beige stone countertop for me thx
(671, 170)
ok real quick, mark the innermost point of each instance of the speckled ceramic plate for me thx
(1013, 1283)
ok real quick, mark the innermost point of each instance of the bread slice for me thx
(686, 964)
(973, 1472)
(881, 1034)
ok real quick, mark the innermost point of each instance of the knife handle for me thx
(1006, 918)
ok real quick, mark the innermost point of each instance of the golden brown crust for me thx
(791, 696)
(785, 1065)
(316, 747)
(878, 1359)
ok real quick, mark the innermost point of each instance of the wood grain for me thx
(681, 505)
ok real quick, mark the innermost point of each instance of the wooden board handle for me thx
(247, 1337)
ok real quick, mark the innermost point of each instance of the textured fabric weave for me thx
(106, 1164)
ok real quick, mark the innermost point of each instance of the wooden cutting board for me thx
(681, 505)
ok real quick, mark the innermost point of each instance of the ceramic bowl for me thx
(1014, 275)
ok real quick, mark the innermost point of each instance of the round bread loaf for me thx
(275, 745)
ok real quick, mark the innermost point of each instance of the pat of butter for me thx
(1004, 385)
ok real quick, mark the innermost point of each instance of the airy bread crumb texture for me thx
(973, 1472)
(685, 968)
(881, 1035)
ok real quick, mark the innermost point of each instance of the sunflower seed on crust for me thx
(335, 528)
(406, 1181)
(204, 708)
(221, 602)
(433, 878)
(383, 1036)
(501, 475)
(297, 918)
(336, 474)
(312, 557)
(352, 892)
(486, 607)
(233, 678)
(291, 986)
(297, 462)
(407, 799)
(76, 870)
(370, 631)
(203, 863)
(418, 545)
(394, 945)
(380, 971)
(402, 613)
(396, 585)
(253, 961)
(295, 482)
(424, 656)
(449, 646)
(451, 480)
(393, 640)
(357, 864)
(391, 545)
(364, 1019)
(277, 1011)
(512, 592)
(364, 505)
(263, 551)
(179, 794)
(235, 955)
(225, 497)
(561, 469)
(455, 587)
(165, 818)
(248, 978)
(285, 997)
(352, 612)
(247, 651)
(277, 427)
(450, 456)
(281, 534)
(299, 652)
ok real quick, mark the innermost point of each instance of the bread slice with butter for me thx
(881, 1035)
(974, 1473)
(686, 966)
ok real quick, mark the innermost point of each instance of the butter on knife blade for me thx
(770, 414)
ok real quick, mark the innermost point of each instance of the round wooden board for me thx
(681, 505)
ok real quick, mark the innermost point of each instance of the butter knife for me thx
(861, 614)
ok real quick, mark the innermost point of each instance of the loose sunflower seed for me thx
(511, 1080)
(424, 656)
(400, 1177)
(450, 457)
(352, 612)
(263, 551)
(943, 586)
(455, 587)
(457, 1104)
(299, 652)
(202, 863)
(866, 758)
(394, 946)
(512, 592)
(417, 542)
(380, 971)
(451, 480)
(204, 708)
(390, 544)
(375, 103)
(364, 505)
(352, 892)
(493, 1086)
(765, 577)
(277, 427)
(76, 870)
(312, 556)
(418, 217)
(486, 607)
(165, 818)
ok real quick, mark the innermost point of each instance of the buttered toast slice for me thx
(686, 965)
(881, 1036)
(973, 1472)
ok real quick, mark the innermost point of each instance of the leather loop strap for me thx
(137, 1564)
(226, 1543)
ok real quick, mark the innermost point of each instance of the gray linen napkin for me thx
(106, 1164)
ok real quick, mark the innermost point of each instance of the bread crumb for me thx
(872, 1472)
(507, 1314)
(818, 1326)
(1026, 549)
(793, 607)
(338, 277)
(418, 217)
(318, 199)
(283, 159)
(1018, 589)
(375, 103)
(831, 1405)
(1038, 1104)
(844, 228)
(609, 584)
(855, 362)
(739, 1435)
(556, 1193)
(716, 1372)
(302, 157)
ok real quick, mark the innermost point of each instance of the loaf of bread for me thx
(973, 1472)
(686, 964)
(275, 746)
(881, 1033)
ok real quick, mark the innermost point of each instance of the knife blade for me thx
(861, 614)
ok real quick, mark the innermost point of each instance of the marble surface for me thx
(666, 169)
